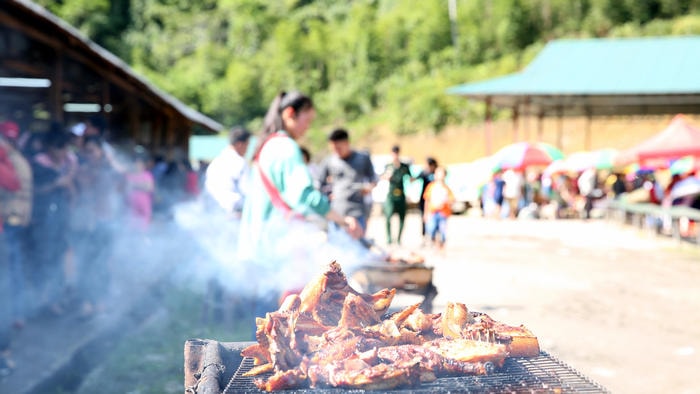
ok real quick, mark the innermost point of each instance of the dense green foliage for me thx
(365, 62)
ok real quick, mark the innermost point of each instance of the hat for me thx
(238, 134)
(9, 129)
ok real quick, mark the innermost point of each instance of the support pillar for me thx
(134, 120)
(587, 136)
(106, 108)
(157, 131)
(540, 126)
(56, 89)
(526, 119)
(488, 127)
(170, 132)
(516, 120)
(560, 128)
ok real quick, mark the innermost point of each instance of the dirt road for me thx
(621, 307)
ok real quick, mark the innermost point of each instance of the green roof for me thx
(632, 75)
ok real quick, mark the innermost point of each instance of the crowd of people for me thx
(338, 188)
(522, 194)
(66, 194)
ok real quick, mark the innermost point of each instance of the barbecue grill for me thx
(542, 374)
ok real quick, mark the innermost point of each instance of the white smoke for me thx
(293, 252)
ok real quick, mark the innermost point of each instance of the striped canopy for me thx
(525, 154)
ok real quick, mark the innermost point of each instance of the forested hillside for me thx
(365, 62)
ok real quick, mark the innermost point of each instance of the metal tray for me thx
(542, 374)
(405, 278)
(411, 278)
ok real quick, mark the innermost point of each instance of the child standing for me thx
(438, 201)
(140, 186)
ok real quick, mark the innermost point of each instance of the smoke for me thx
(187, 244)
(292, 252)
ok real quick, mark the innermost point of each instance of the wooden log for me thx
(210, 378)
(194, 350)
(209, 364)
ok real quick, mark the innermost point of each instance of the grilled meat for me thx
(400, 317)
(283, 380)
(468, 351)
(380, 300)
(258, 353)
(357, 313)
(333, 336)
(356, 374)
(281, 338)
(419, 322)
(454, 319)
(260, 369)
(291, 303)
(430, 362)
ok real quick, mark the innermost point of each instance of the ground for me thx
(619, 306)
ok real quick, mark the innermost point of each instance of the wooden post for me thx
(56, 89)
(134, 119)
(560, 129)
(540, 126)
(515, 123)
(170, 131)
(194, 352)
(105, 101)
(587, 131)
(488, 125)
(157, 131)
(526, 118)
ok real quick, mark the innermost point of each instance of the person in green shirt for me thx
(395, 202)
(281, 194)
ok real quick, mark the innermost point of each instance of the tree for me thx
(365, 62)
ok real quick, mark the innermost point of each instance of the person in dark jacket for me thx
(426, 176)
(54, 170)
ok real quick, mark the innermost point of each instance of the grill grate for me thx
(542, 374)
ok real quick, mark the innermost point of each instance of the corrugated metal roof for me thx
(610, 66)
(187, 112)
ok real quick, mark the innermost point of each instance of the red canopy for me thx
(678, 139)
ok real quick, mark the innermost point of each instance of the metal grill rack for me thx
(542, 374)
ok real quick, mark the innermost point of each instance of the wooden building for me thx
(49, 72)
